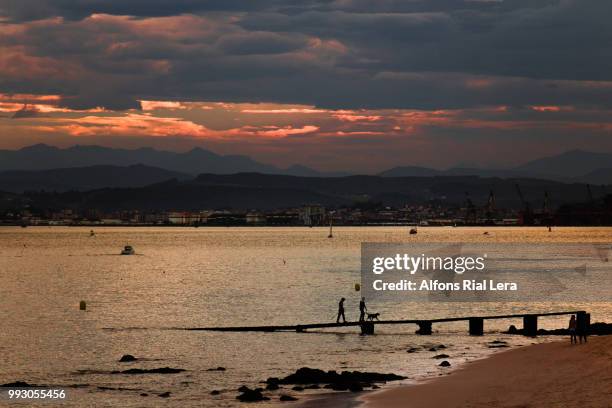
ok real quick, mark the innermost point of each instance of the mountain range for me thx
(575, 166)
(195, 161)
(43, 167)
(247, 191)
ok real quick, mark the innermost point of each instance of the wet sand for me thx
(555, 374)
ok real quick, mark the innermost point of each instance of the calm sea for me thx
(188, 277)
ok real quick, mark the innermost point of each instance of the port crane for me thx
(526, 214)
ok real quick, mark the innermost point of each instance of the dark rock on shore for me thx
(438, 347)
(164, 394)
(217, 369)
(17, 384)
(298, 388)
(272, 386)
(355, 387)
(412, 350)
(162, 370)
(307, 375)
(144, 394)
(127, 358)
(441, 356)
(498, 344)
(444, 364)
(249, 395)
(286, 397)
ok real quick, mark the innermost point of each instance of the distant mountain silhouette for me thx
(410, 171)
(85, 178)
(572, 166)
(195, 161)
(575, 163)
(248, 191)
(599, 176)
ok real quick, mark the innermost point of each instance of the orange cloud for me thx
(279, 132)
(147, 125)
(352, 116)
(281, 111)
(551, 108)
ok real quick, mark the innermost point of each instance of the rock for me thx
(217, 369)
(444, 364)
(355, 387)
(286, 397)
(312, 387)
(298, 388)
(412, 350)
(492, 346)
(144, 394)
(127, 358)
(249, 395)
(162, 370)
(441, 356)
(433, 349)
(338, 386)
(272, 386)
(17, 384)
(243, 388)
(498, 342)
(307, 375)
(215, 392)
(375, 387)
(164, 394)
(441, 346)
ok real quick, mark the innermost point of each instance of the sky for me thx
(352, 85)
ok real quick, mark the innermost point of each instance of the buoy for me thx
(357, 287)
(82, 305)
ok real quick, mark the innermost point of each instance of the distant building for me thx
(255, 218)
(312, 215)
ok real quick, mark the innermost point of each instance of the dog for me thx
(372, 316)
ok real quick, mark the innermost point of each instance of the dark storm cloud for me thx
(340, 54)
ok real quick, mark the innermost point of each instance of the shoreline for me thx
(539, 375)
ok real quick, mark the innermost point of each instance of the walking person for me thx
(341, 311)
(362, 310)
(572, 330)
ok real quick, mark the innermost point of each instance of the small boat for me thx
(128, 250)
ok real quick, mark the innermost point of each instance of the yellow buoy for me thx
(82, 305)
(357, 287)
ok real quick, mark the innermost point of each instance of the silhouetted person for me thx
(341, 311)
(572, 329)
(362, 310)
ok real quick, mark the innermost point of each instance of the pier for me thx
(475, 324)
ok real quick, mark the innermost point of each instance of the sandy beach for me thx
(545, 375)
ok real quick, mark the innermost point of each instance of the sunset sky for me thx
(351, 85)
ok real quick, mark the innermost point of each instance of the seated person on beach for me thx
(341, 311)
(572, 329)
